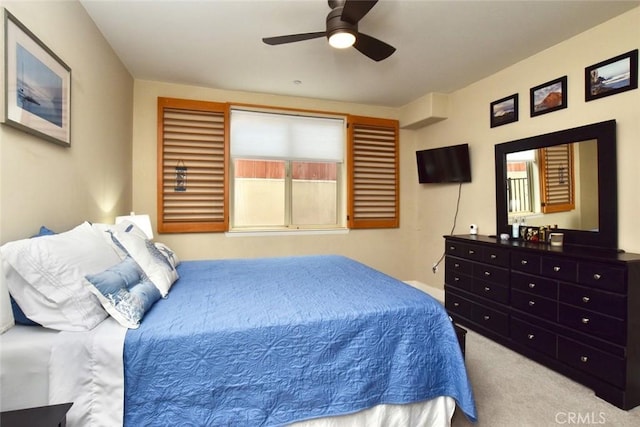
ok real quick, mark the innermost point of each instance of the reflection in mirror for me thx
(566, 178)
(555, 185)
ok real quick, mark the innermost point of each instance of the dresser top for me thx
(545, 248)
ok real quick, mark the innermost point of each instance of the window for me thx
(374, 183)
(272, 170)
(287, 171)
(557, 178)
(192, 159)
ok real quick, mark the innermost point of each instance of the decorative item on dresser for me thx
(573, 309)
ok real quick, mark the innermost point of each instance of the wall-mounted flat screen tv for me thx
(444, 164)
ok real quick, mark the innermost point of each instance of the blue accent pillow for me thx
(19, 316)
(124, 291)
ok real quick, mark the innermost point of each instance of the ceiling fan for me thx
(342, 30)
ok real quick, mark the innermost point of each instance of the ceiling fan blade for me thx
(293, 38)
(354, 10)
(373, 48)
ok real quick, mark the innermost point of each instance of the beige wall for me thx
(387, 250)
(45, 184)
(469, 122)
(111, 166)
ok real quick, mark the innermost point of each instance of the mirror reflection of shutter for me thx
(373, 193)
(557, 187)
(192, 135)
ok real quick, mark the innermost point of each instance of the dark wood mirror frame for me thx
(605, 135)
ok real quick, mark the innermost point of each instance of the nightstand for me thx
(43, 416)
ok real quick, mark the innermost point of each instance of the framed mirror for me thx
(566, 179)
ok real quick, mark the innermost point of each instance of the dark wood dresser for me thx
(573, 309)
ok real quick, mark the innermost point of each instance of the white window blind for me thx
(258, 135)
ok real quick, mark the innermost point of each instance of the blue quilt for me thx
(266, 342)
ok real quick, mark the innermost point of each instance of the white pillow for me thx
(6, 314)
(154, 264)
(45, 277)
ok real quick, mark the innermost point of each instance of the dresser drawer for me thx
(563, 269)
(491, 273)
(597, 363)
(459, 265)
(457, 305)
(533, 337)
(464, 250)
(457, 280)
(495, 256)
(534, 284)
(534, 305)
(602, 276)
(589, 322)
(526, 262)
(594, 300)
(494, 320)
(491, 290)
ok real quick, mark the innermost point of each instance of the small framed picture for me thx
(37, 85)
(615, 75)
(548, 97)
(504, 111)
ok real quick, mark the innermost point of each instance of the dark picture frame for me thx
(548, 97)
(504, 111)
(610, 77)
(37, 85)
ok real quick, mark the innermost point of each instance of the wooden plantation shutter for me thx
(557, 178)
(373, 178)
(192, 135)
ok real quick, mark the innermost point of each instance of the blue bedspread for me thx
(270, 341)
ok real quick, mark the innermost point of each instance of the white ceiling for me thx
(441, 46)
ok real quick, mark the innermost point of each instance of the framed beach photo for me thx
(37, 85)
(504, 111)
(615, 75)
(548, 97)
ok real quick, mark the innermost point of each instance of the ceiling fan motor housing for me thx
(336, 24)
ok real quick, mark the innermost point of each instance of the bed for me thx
(313, 340)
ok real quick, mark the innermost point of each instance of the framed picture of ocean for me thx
(504, 111)
(37, 85)
(615, 75)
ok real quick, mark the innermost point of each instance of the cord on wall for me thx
(434, 268)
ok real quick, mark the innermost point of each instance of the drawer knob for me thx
(456, 304)
(452, 248)
(532, 285)
(532, 303)
(524, 262)
(494, 256)
(471, 252)
(487, 289)
(456, 265)
(487, 273)
(585, 320)
(596, 276)
(456, 279)
(584, 359)
(530, 336)
(486, 317)
(556, 268)
(586, 299)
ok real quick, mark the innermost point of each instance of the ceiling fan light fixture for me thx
(342, 39)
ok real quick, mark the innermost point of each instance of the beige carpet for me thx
(511, 390)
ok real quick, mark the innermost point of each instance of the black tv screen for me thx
(444, 164)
